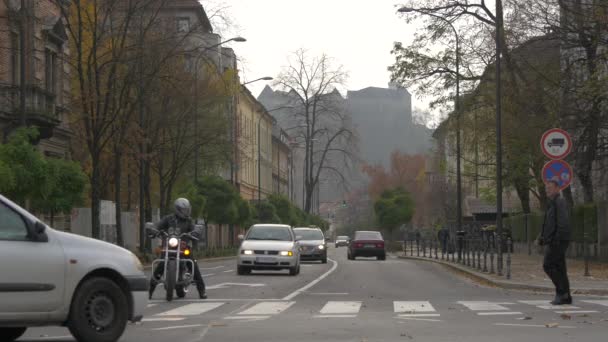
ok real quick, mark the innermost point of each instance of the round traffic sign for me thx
(556, 143)
(560, 171)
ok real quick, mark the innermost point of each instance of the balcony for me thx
(40, 106)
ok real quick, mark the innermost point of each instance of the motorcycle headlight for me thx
(173, 242)
(321, 247)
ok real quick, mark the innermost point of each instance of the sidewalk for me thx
(527, 274)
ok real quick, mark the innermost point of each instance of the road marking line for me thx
(178, 327)
(420, 319)
(598, 302)
(546, 305)
(335, 316)
(532, 325)
(576, 311)
(312, 283)
(191, 309)
(413, 306)
(246, 317)
(327, 293)
(419, 315)
(499, 313)
(267, 308)
(225, 285)
(333, 307)
(483, 306)
(211, 268)
(151, 305)
(208, 275)
(165, 319)
(221, 300)
(228, 271)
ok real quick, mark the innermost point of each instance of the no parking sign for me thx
(558, 170)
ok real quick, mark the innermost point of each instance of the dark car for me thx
(312, 244)
(367, 244)
(342, 240)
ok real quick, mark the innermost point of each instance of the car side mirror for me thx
(39, 232)
(241, 237)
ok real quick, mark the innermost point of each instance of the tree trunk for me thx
(523, 192)
(117, 198)
(95, 196)
(147, 192)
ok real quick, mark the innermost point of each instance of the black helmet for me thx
(182, 208)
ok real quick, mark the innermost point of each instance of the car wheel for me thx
(294, 270)
(99, 311)
(324, 260)
(382, 257)
(350, 257)
(243, 270)
(11, 334)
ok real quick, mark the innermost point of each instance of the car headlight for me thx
(173, 242)
(321, 247)
(247, 252)
(286, 253)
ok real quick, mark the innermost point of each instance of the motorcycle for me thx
(178, 272)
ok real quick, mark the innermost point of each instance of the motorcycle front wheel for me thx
(170, 279)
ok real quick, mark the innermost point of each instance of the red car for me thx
(367, 244)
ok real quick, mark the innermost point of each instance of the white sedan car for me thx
(269, 247)
(55, 278)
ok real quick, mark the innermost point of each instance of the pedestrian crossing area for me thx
(415, 310)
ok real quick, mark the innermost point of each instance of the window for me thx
(183, 24)
(50, 65)
(12, 226)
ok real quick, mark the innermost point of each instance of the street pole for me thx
(22, 61)
(499, 134)
(259, 162)
(197, 147)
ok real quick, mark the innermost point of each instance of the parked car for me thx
(312, 244)
(342, 241)
(367, 244)
(51, 277)
(268, 247)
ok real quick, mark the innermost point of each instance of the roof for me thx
(307, 228)
(377, 91)
(195, 5)
(271, 225)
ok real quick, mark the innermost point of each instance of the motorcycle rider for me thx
(180, 219)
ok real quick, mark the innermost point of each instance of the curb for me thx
(146, 266)
(483, 278)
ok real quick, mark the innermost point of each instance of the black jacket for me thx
(174, 221)
(557, 221)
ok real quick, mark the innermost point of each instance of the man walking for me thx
(556, 237)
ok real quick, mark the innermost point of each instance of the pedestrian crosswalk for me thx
(416, 310)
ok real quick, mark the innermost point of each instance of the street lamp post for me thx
(458, 119)
(499, 135)
(198, 58)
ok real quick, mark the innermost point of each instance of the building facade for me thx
(281, 161)
(254, 143)
(34, 72)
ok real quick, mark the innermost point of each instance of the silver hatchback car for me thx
(268, 247)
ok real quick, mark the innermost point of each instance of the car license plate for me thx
(370, 246)
(266, 260)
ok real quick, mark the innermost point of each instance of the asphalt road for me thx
(360, 300)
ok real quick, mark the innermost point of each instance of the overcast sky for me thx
(359, 34)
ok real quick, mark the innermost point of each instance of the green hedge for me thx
(583, 219)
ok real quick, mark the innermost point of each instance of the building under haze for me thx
(383, 118)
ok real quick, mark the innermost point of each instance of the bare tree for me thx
(321, 121)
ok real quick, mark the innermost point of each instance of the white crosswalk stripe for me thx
(546, 305)
(341, 308)
(602, 302)
(267, 308)
(192, 309)
(412, 307)
(483, 306)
